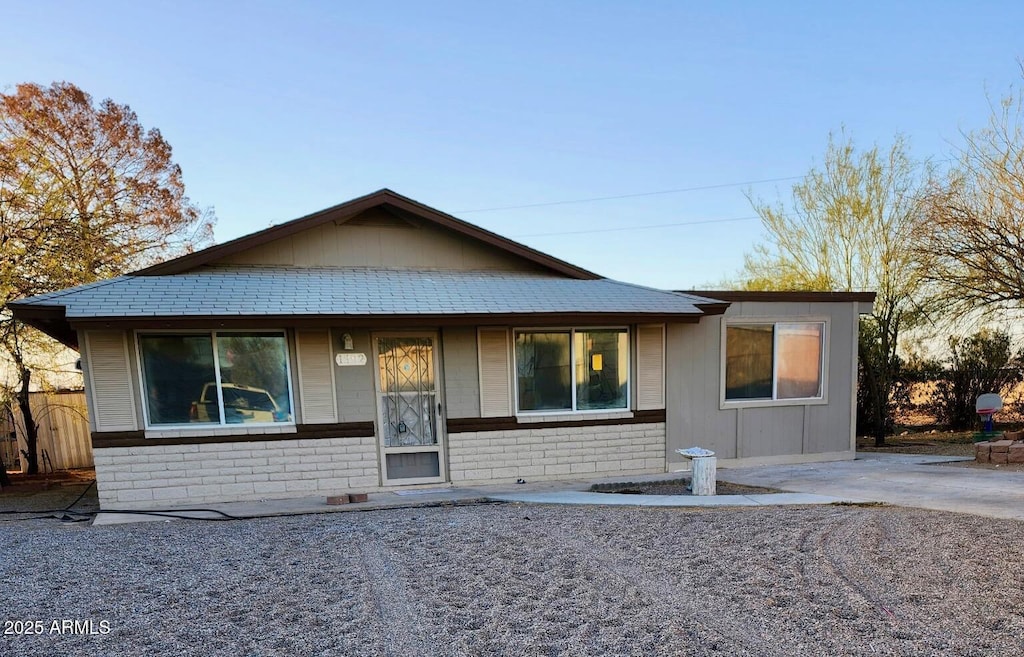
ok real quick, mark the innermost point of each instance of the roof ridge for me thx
(349, 268)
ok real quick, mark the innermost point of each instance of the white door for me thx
(409, 409)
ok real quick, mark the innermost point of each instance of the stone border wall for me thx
(999, 451)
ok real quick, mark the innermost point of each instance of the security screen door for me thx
(409, 409)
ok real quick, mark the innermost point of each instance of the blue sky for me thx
(279, 109)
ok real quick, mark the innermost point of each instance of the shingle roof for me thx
(278, 291)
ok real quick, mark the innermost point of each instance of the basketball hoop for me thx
(988, 405)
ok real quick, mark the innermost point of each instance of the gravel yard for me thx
(524, 580)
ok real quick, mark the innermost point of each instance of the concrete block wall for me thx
(174, 475)
(556, 453)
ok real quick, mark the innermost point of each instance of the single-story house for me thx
(381, 343)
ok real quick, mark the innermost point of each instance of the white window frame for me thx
(774, 401)
(625, 410)
(220, 427)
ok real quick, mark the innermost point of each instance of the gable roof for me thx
(385, 199)
(189, 291)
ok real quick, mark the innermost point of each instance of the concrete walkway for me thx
(545, 492)
(915, 480)
(902, 479)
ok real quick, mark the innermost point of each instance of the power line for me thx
(612, 230)
(637, 195)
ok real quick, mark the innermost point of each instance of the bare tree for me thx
(848, 228)
(85, 193)
(974, 239)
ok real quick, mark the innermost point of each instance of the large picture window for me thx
(774, 361)
(572, 370)
(215, 378)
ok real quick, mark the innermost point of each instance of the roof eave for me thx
(801, 296)
(382, 320)
(50, 320)
(711, 309)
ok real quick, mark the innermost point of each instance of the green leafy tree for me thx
(85, 193)
(847, 228)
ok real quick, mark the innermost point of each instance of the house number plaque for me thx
(348, 360)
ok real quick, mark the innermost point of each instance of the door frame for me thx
(439, 424)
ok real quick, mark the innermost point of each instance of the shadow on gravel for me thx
(48, 496)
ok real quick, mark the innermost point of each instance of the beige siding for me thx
(696, 415)
(461, 379)
(379, 242)
(110, 381)
(495, 373)
(316, 377)
(841, 387)
(693, 418)
(354, 384)
(771, 431)
(650, 367)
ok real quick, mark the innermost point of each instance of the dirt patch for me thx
(26, 483)
(43, 494)
(676, 487)
(932, 441)
(938, 443)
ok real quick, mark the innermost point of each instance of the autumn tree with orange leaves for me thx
(86, 193)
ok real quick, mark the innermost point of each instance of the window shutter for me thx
(650, 367)
(495, 373)
(316, 377)
(111, 381)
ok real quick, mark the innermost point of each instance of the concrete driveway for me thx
(915, 480)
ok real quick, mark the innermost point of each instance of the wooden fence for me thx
(63, 432)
